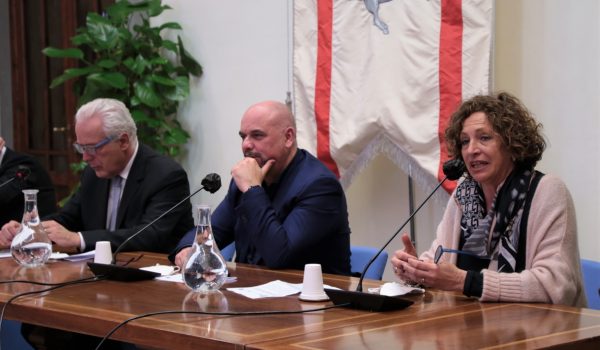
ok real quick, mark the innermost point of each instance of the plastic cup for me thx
(103, 253)
(312, 284)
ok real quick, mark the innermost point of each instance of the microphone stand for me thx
(21, 174)
(211, 183)
(120, 247)
(7, 182)
(359, 288)
(453, 169)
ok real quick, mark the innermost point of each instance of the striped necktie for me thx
(113, 202)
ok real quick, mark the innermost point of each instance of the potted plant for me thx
(122, 56)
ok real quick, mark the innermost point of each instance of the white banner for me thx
(384, 76)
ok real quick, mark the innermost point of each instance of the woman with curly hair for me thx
(509, 231)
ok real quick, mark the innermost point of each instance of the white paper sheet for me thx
(5, 253)
(271, 289)
(179, 279)
(394, 289)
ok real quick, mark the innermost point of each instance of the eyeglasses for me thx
(91, 149)
(441, 250)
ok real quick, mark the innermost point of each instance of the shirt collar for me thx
(125, 173)
(2, 153)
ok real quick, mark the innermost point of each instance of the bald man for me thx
(284, 208)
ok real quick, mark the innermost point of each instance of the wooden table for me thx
(436, 320)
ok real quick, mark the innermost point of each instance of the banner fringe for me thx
(381, 144)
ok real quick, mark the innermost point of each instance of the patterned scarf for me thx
(507, 209)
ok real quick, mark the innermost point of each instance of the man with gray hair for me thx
(124, 187)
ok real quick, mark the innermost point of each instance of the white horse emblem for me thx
(373, 7)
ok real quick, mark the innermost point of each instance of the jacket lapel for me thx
(133, 183)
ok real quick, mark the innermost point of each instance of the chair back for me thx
(591, 282)
(361, 255)
(228, 252)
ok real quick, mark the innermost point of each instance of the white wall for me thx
(243, 49)
(546, 53)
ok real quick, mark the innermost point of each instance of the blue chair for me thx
(361, 256)
(591, 282)
(11, 337)
(228, 252)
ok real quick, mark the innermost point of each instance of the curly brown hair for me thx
(519, 131)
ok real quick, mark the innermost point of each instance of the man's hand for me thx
(248, 173)
(60, 235)
(8, 232)
(182, 257)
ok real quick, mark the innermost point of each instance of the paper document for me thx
(272, 289)
(5, 253)
(394, 289)
(80, 256)
(178, 278)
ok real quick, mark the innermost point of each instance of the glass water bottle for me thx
(205, 270)
(31, 246)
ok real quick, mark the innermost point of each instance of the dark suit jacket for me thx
(301, 219)
(155, 183)
(11, 195)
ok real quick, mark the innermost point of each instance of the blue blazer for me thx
(301, 219)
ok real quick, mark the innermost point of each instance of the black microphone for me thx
(453, 170)
(210, 183)
(22, 174)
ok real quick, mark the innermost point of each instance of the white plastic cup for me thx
(103, 253)
(312, 284)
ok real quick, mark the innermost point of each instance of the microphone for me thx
(211, 183)
(453, 170)
(22, 174)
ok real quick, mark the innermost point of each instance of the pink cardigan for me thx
(552, 265)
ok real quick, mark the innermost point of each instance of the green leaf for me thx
(188, 61)
(170, 25)
(137, 66)
(72, 73)
(159, 61)
(139, 116)
(154, 123)
(170, 45)
(115, 80)
(144, 90)
(181, 90)
(90, 92)
(156, 8)
(106, 63)
(152, 7)
(119, 11)
(177, 136)
(135, 101)
(78, 167)
(167, 81)
(63, 53)
(81, 39)
(102, 31)
(124, 35)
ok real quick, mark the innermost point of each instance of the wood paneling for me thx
(43, 117)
